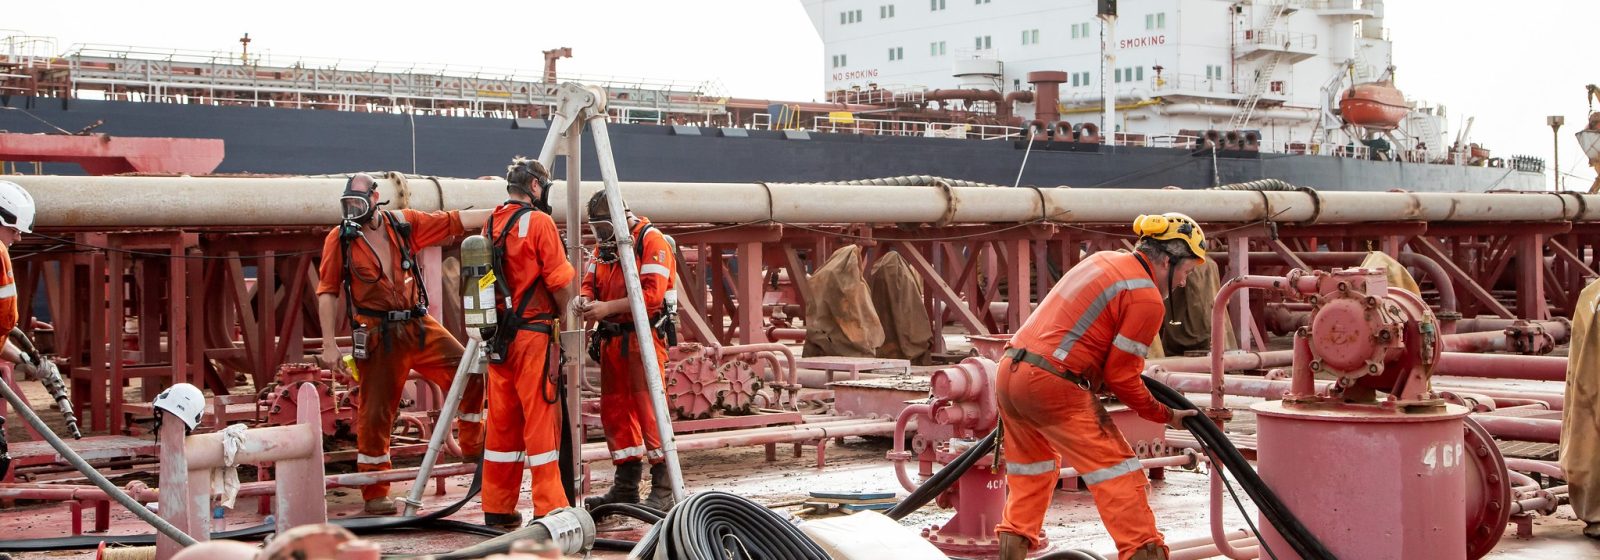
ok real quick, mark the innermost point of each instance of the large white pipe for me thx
(135, 202)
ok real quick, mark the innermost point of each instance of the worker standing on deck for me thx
(1091, 333)
(534, 283)
(370, 259)
(625, 406)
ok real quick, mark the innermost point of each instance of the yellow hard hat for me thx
(1173, 225)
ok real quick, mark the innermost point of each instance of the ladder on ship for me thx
(1263, 79)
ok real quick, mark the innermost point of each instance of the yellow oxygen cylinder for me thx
(477, 283)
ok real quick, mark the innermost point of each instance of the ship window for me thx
(886, 12)
(844, 17)
(1080, 30)
(935, 5)
(1140, 73)
(983, 43)
(1161, 19)
(936, 48)
(858, 15)
(1030, 36)
(839, 61)
(1155, 21)
(1075, 80)
(897, 53)
(980, 1)
(1086, 80)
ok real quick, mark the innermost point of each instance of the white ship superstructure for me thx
(1273, 66)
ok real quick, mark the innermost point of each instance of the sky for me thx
(1509, 64)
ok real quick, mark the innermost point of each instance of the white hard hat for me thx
(16, 206)
(184, 401)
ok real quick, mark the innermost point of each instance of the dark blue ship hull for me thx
(299, 141)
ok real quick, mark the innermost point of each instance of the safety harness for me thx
(509, 323)
(401, 230)
(660, 322)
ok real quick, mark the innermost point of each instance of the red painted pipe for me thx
(1537, 430)
(762, 436)
(1502, 366)
(1511, 398)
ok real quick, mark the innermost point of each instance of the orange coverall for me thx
(624, 397)
(394, 349)
(9, 312)
(524, 410)
(1097, 323)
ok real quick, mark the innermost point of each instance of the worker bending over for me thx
(1091, 334)
(371, 259)
(625, 405)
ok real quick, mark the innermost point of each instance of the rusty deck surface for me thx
(1180, 501)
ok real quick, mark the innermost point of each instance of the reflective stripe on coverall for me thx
(524, 426)
(396, 349)
(625, 413)
(1097, 322)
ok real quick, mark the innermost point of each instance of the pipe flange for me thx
(1488, 490)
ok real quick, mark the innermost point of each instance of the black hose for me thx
(1073, 554)
(942, 480)
(722, 526)
(1223, 452)
(361, 526)
(640, 512)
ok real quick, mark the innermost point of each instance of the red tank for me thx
(1374, 105)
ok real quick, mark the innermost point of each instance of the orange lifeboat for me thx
(1373, 105)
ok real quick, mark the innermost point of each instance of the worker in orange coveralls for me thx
(625, 407)
(1091, 333)
(535, 283)
(370, 259)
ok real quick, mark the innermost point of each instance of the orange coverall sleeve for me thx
(548, 250)
(587, 288)
(655, 270)
(330, 274)
(1141, 322)
(432, 228)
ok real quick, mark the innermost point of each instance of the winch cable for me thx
(721, 526)
(1222, 451)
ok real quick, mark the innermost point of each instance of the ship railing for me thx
(1292, 40)
(890, 127)
(1327, 149)
(1189, 83)
(1334, 4)
(761, 121)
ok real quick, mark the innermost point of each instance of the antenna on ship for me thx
(244, 56)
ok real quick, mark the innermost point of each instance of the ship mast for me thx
(1107, 10)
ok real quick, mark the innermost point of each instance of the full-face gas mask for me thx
(356, 204)
(605, 240)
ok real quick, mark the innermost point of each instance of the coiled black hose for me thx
(1222, 452)
(722, 526)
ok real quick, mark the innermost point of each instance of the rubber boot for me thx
(1013, 547)
(660, 488)
(624, 490)
(1150, 551)
(380, 506)
(1592, 530)
(507, 521)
